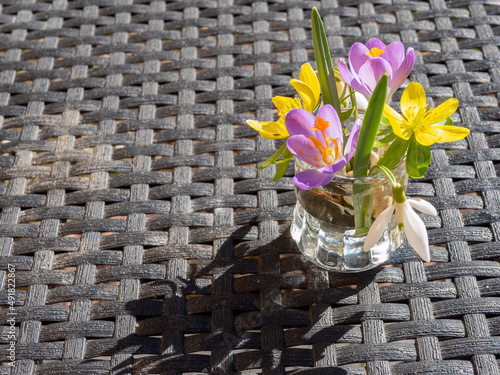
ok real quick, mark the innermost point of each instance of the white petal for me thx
(378, 227)
(400, 207)
(423, 206)
(361, 101)
(415, 231)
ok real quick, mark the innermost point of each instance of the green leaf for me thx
(417, 159)
(346, 114)
(281, 169)
(385, 122)
(344, 96)
(384, 131)
(393, 155)
(369, 128)
(326, 74)
(384, 141)
(286, 156)
(273, 158)
(282, 165)
(448, 121)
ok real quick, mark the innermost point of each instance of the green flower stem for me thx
(353, 102)
(367, 135)
(385, 171)
(362, 216)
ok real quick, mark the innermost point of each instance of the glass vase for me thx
(330, 222)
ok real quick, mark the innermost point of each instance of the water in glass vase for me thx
(323, 224)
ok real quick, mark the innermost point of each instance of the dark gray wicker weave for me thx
(146, 242)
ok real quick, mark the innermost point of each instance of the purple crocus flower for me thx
(318, 141)
(368, 62)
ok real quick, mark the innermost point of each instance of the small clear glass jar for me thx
(324, 219)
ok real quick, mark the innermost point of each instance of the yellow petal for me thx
(413, 100)
(281, 102)
(452, 133)
(285, 104)
(429, 135)
(281, 127)
(308, 76)
(267, 129)
(441, 113)
(396, 122)
(306, 93)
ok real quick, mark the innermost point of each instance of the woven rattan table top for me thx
(142, 239)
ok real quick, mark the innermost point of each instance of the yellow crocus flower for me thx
(425, 124)
(307, 87)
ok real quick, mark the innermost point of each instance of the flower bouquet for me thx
(354, 152)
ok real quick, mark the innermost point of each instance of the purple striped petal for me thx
(333, 168)
(402, 73)
(394, 54)
(328, 113)
(351, 80)
(375, 43)
(352, 141)
(299, 121)
(371, 72)
(357, 56)
(304, 149)
(311, 178)
(345, 73)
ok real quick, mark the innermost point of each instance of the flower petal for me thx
(352, 141)
(361, 101)
(286, 104)
(333, 168)
(299, 121)
(399, 213)
(441, 112)
(413, 100)
(304, 149)
(429, 135)
(400, 75)
(375, 43)
(371, 72)
(394, 54)
(308, 76)
(423, 206)
(452, 133)
(283, 102)
(378, 227)
(357, 56)
(267, 129)
(306, 94)
(415, 231)
(328, 113)
(351, 80)
(440, 133)
(396, 121)
(280, 126)
(312, 178)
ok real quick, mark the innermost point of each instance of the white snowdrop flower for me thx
(407, 219)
